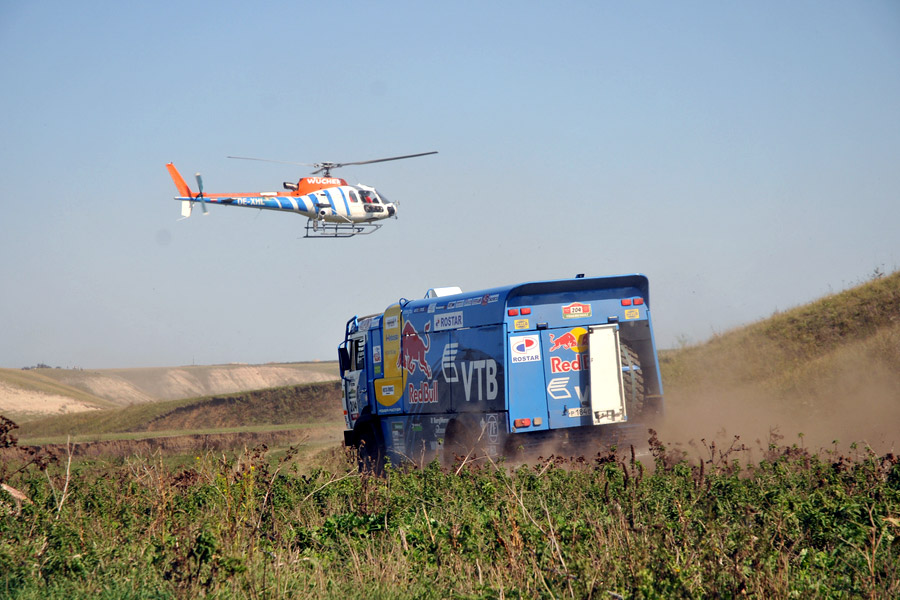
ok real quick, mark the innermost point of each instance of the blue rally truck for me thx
(502, 369)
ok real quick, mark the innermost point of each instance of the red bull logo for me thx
(424, 394)
(558, 365)
(415, 348)
(575, 340)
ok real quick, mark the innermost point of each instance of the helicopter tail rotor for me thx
(200, 197)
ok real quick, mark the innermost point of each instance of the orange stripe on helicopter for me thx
(305, 186)
(308, 185)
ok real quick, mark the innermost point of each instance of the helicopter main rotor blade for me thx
(378, 160)
(284, 162)
(327, 166)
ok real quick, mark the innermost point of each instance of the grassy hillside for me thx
(31, 394)
(272, 409)
(125, 386)
(42, 383)
(829, 370)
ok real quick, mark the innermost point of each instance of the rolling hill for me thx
(33, 393)
(283, 415)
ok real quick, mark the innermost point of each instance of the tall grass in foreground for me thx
(794, 524)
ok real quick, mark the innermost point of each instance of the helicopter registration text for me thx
(250, 201)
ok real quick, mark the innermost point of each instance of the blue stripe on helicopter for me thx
(330, 201)
(344, 198)
(285, 203)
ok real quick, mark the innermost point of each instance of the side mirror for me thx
(343, 360)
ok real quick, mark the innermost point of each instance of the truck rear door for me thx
(583, 372)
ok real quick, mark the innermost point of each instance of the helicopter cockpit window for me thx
(353, 196)
(383, 199)
(367, 196)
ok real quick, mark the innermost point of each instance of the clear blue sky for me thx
(744, 155)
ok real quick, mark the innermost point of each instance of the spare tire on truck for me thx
(632, 380)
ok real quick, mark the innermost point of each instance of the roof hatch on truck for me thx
(443, 291)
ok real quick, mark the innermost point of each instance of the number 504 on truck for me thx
(502, 369)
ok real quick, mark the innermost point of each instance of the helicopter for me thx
(334, 209)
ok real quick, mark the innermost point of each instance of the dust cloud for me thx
(849, 406)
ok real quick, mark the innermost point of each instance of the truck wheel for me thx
(464, 437)
(370, 454)
(633, 378)
(455, 443)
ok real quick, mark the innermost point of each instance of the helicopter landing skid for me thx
(320, 229)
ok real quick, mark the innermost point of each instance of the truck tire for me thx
(456, 441)
(464, 437)
(370, 454)
(633, 380)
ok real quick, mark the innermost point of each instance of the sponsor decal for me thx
(415, 349)
(492, 428)
(632, 313)
(521, 323)
(575, 339)
(452, 320)
(480, 374)
(525, 348)
(426, 393)
(558, 365)
(387, 390)
(391, 322)
(485, 373)
(448, 362)
(558, 388)
(376, 353)
(576, 310)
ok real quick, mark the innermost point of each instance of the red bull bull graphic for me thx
(574, 340)
(415, 350)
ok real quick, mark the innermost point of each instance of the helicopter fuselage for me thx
(328, 199)
(337, 204)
